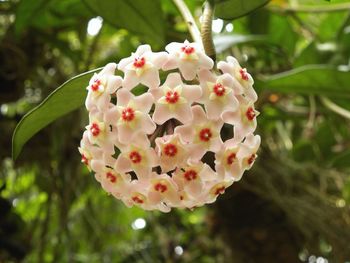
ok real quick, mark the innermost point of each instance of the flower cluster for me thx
(151, 150)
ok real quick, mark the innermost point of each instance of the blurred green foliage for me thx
(293, 206)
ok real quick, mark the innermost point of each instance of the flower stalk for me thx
(206, 30)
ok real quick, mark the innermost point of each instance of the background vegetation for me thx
(293, 206)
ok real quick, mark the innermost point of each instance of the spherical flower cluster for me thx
(150, 150)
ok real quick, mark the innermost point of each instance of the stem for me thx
(335, 108)
(312, 116)
(313, 9)
(187, 16)
(206, 30)
(157, 133)
(169, 127)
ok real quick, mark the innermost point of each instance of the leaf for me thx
(304, 151)
(231, 9)
(312, 55)
(223, 42)
(47, 14)
(341, 160)
(142, 17)
(26, 11)
(282, 33)
(327, 29)
(66, 98)
(311, 79)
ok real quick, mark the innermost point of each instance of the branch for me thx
(191, 24)
(335, 108)
(312, 115)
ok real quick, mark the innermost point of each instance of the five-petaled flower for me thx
(174, 99)
(138, 156)
(201, 134)
(101, 86)
(188, 58)
(130, 115)
(218, 93)
(142, 67)
(171, 151)
(244, 119)
(241, 74)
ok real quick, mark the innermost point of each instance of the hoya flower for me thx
(100, 134)
(233, 67)
(171, 151)
(228, 164)
(216, 188)
(142, 67)
(174, 99)
(96, 128)
(112, 181)
(201, 134)
(150, 150)
(88, 151)
(188, 57)
(192, 177)
(136, 194)
(189, 202)
(218, 93)
(101, 86)
(243, 120)
(137, 156)
(130, 115)
(163, 189)
(248, 151)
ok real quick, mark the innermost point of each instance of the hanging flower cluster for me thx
(150, 150)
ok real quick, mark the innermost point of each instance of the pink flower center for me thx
(219, 89)
(138, 199)
(244, 74)
(159, 187)
(187, 50)
(95, 129)
(170, 150)
(172, 97)
(95, 85)
(84, 159)
(251, 159)
(190, 175)
(205, 134)
(135, 157)
(128, 114)
(139, 62)
(219, 190)
(231, 158)
(111, 177)
(250, 114)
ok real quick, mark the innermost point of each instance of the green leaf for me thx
(66, 98)
(282, 33)
(312, 55)
(311, 79)
(231, 9)
(304, 151)
(142, 17)
(47, 14)
(26, 11)
(327, 30)
(224, 42)
(342, 160)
